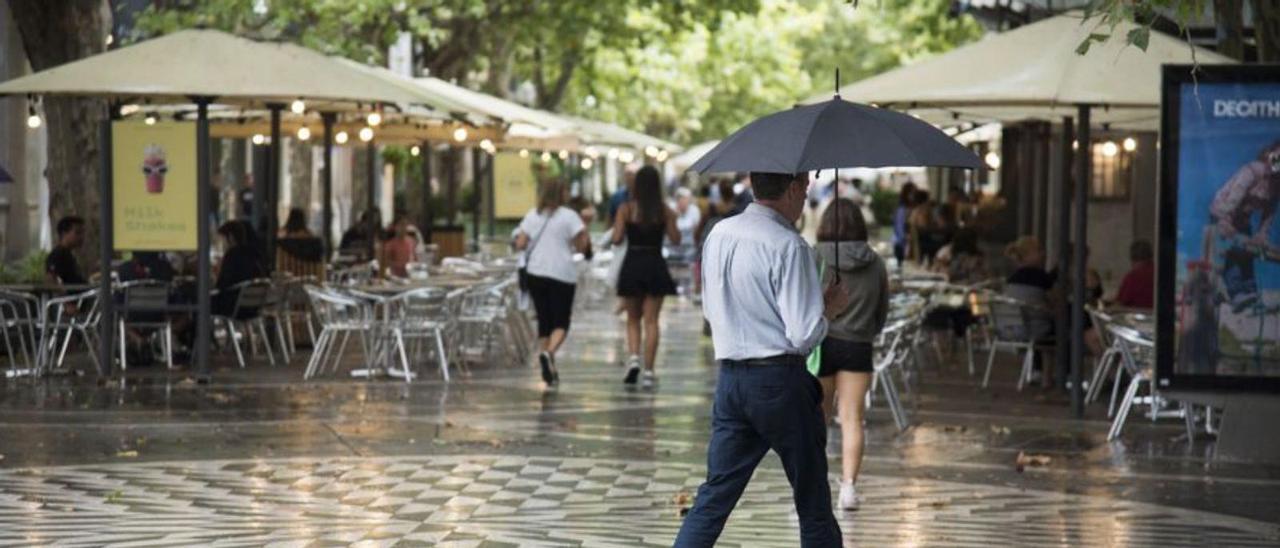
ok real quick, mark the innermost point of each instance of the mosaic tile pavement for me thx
(521, 501)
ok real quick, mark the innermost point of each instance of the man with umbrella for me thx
(767, 310)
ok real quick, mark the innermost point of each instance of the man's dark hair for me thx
(69, 223)
(771, 186)
(1140, 250)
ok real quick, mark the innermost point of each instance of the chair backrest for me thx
(148, 294)
(332, 307)
(252, 295)
(1102, 322)
(1007, 320)
(1136, 350)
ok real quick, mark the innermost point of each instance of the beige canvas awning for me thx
(1034, 72)
(596, 132)
(209, 63)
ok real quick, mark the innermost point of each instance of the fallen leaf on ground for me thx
(1032, 460)
(127, 454)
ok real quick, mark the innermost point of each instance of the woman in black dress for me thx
(644, 280)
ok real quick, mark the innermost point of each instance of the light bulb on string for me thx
(564, 155)
(587, 163)
(340, 138)
(613, 154)
(33, 119)
(366, 134)
(663, 155)
(414, 150)
(524, 153)
(1130, 144)
(150, 120)
(460, 134)
(993, 160)
(546, 157)
(297, 106)
(304, 133)
(258, 139)
(1109, 149)
(374, 118)
(487, 146)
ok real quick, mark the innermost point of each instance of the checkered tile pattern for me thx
(522, 501)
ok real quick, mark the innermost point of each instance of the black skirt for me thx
(842, 355)
(645, 274)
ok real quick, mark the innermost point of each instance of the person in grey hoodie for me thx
(846, 366)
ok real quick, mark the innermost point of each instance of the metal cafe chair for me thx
(1136, 355)
(63, 318)
(151, 298)
(18, 320)
(1010, 331)
(1108, 361)
(339, 316)
(418, 315)
(894, 349)
(251, 297)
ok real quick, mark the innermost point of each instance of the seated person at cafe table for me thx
(1137, 288)
(399, 249)
(240, 263)
(61, 266)
(300, 253)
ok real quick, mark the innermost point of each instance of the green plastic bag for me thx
(814, 362)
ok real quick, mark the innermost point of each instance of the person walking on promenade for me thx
(767, 310)
(847, 352)
(644, 280)
(549, 235)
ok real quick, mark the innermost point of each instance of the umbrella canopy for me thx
(178, 66)
(1034, 72)
(835, 134)
(604, 133)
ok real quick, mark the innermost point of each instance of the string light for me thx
(340, 138)
(304, 133)
(150, 120)
(374, 119)
(587, 163)
(366, 134)
(613, 154)
(297, 106)
(258, 139)
(651, 151)
(626, 157)
(1130, 144)
(33, 119)
(564, 155)
(993, 160)
(129, 109)
(663, 155)
(460, 134)
(1109, 149)
(487, 146)
(414, 150)
(524, 153)
(546, 157)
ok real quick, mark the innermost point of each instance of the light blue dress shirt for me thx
(760, 287)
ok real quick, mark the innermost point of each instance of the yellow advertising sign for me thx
(515, 189)
(154, 182)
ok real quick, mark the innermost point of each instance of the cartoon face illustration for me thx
(154, 167)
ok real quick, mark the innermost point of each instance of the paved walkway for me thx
(494, 459)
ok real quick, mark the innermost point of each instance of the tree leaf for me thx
(1139, 37)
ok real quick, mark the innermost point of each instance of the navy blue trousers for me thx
(759, 407)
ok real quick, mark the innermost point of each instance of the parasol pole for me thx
(835, 185)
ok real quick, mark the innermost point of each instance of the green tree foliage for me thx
(684, 70)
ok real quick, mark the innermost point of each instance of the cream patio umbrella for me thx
(204, 66)
(1034, 73)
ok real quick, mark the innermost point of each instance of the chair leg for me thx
(404, 358)
(280, 335)
(261, 324)
(124, 364)
(1189, 419)
(1028, 361)
(1115, 390)
(444, 357)
(168, 345)
(317, 355)
(1100, 371)
(342, 348)
(234, 335)
(891, 399)
(991, 359)
(968, 349)
(1118, 424)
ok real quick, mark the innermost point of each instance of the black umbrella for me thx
(835, 134)
(832, 135)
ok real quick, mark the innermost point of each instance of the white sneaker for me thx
(849, 499)
(648, 379)
(633, 370)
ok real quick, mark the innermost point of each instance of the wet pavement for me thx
(257, 457)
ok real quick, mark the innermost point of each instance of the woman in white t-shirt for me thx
(549, 236)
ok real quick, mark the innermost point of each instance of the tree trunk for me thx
(549, 99)
(1229, 15)
(1266, 27)
(54, 33)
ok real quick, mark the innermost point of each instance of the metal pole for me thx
(428, 216)
(1062, 226)
(272, 218)
(106, 242)
(203, 278)
(1081, 239)
(371, 194)
(491, 197)
(476, 197)
(326, 181)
